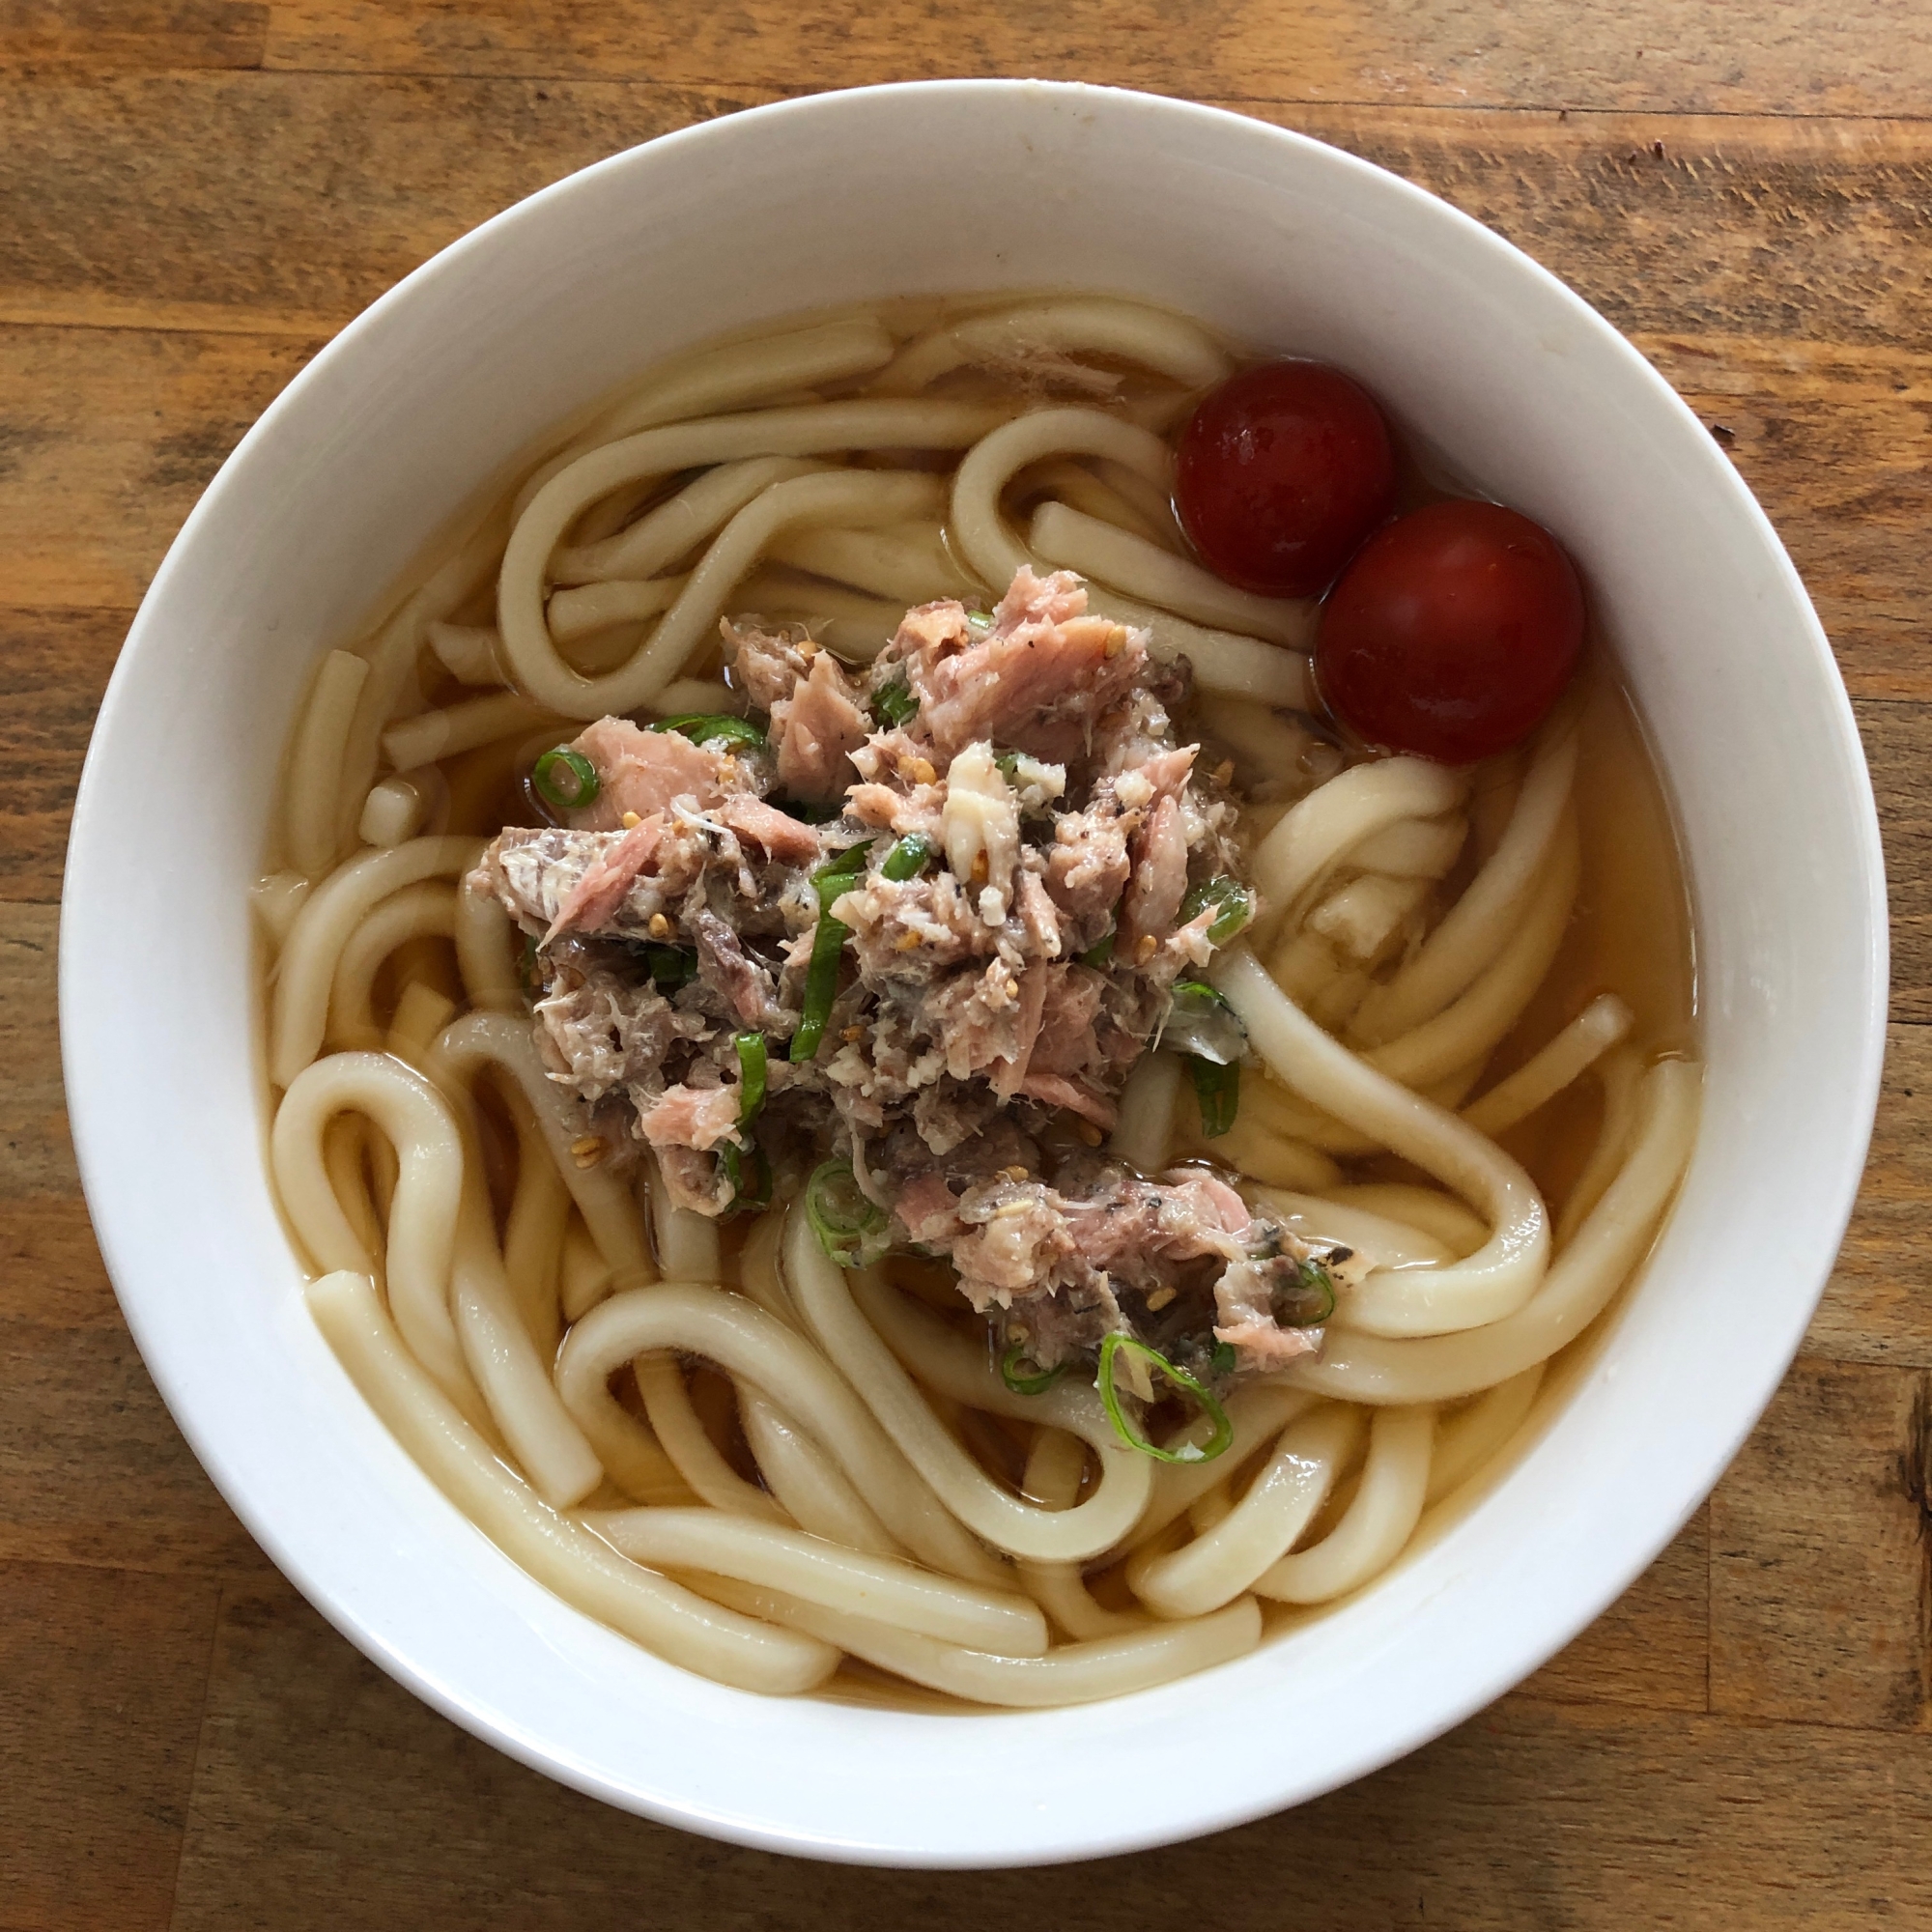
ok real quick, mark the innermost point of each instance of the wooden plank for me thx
(113, 434)
(103, 1675)
(1771, 268)
(53, 668)
(1651, 1647)
(35, 1156)
(124, 35)
(1821, 1570)
(1875, 1308)
(326, 1788)
(1651, 54)
(272, 198)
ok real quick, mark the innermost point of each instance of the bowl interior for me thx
(1280, 241)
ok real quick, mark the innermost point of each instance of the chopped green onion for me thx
(1099, 956)
(1222, 1360)
(821, 977)
(1034, 1385)
(1200, 1021)
(1308, 1300)
(1218, 1089)
(566, 779)
(894, 702)
(1236, 902)
(1109, 1398)
(741, 1164)
(710, 728)
(983, 618)
(671, 966)
(751, 1076)
(849, 1225)
(908, 858)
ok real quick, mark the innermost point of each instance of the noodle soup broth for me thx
(919, 1363)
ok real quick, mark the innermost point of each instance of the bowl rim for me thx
(90, 1102)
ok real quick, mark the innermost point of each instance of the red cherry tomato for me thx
(1452, 633)
(1280, 474)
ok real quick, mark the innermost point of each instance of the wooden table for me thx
(197, 193)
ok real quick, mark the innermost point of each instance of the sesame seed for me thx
(925, 772)
(907, 942)
(660, 926)
(853, 1032)
(631, 821)
(1012, 1174)
(1088, 1132)
(587, 1150)
(1146, 949)
(1013, 989)
(1159, 1298)
(1116, 641)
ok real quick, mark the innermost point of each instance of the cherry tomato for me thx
(1280, 474)
(1452, 633)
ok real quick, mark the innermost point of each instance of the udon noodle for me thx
(706, 1432)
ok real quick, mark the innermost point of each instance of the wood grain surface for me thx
(194, 194)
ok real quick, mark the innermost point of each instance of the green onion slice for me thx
(895, 704)
(566, 779)
(1221, 1362)
(1101, 956)
(711, 727)
(828, 942)
(1023, 1384)
(751, 1071)
(1218, 1089)
(1308, 1300)
(849, 1227)
(908, 858)
(743, 1165)
(1201, 1022)
(1109, 1398)
(1236, 902)
(669, 966)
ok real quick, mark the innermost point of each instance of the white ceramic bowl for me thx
(1281, 242)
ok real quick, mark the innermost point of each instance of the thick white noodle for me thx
(1071, 1673)
(735, 376)
(424, 910)
(1076, 326)
(1377, 1523)
(298, 1010)
(814, 1491)
(740, 1337)
(1493, 1283)
(906, 564)
(462, 726)
(1619, 1077)
(1561, 1059)
(1054, 1469)
(1261, 1529)
(864, 1338)
(1475, 927)
(687, 1241)
(1331, 822)
(882, 1588)
(1594, 1263)
(503, 1040)
(395, 810)
(681, 1433)
(813, 429)
(1144, 1129)
(592, 608)
(1387, 1243)
(1472, 1440)
(673, 529)
(1118, 558)
(1243, 666)
(1426, 1209)
(311, 812)
(414, 1119)
(581, 1568)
